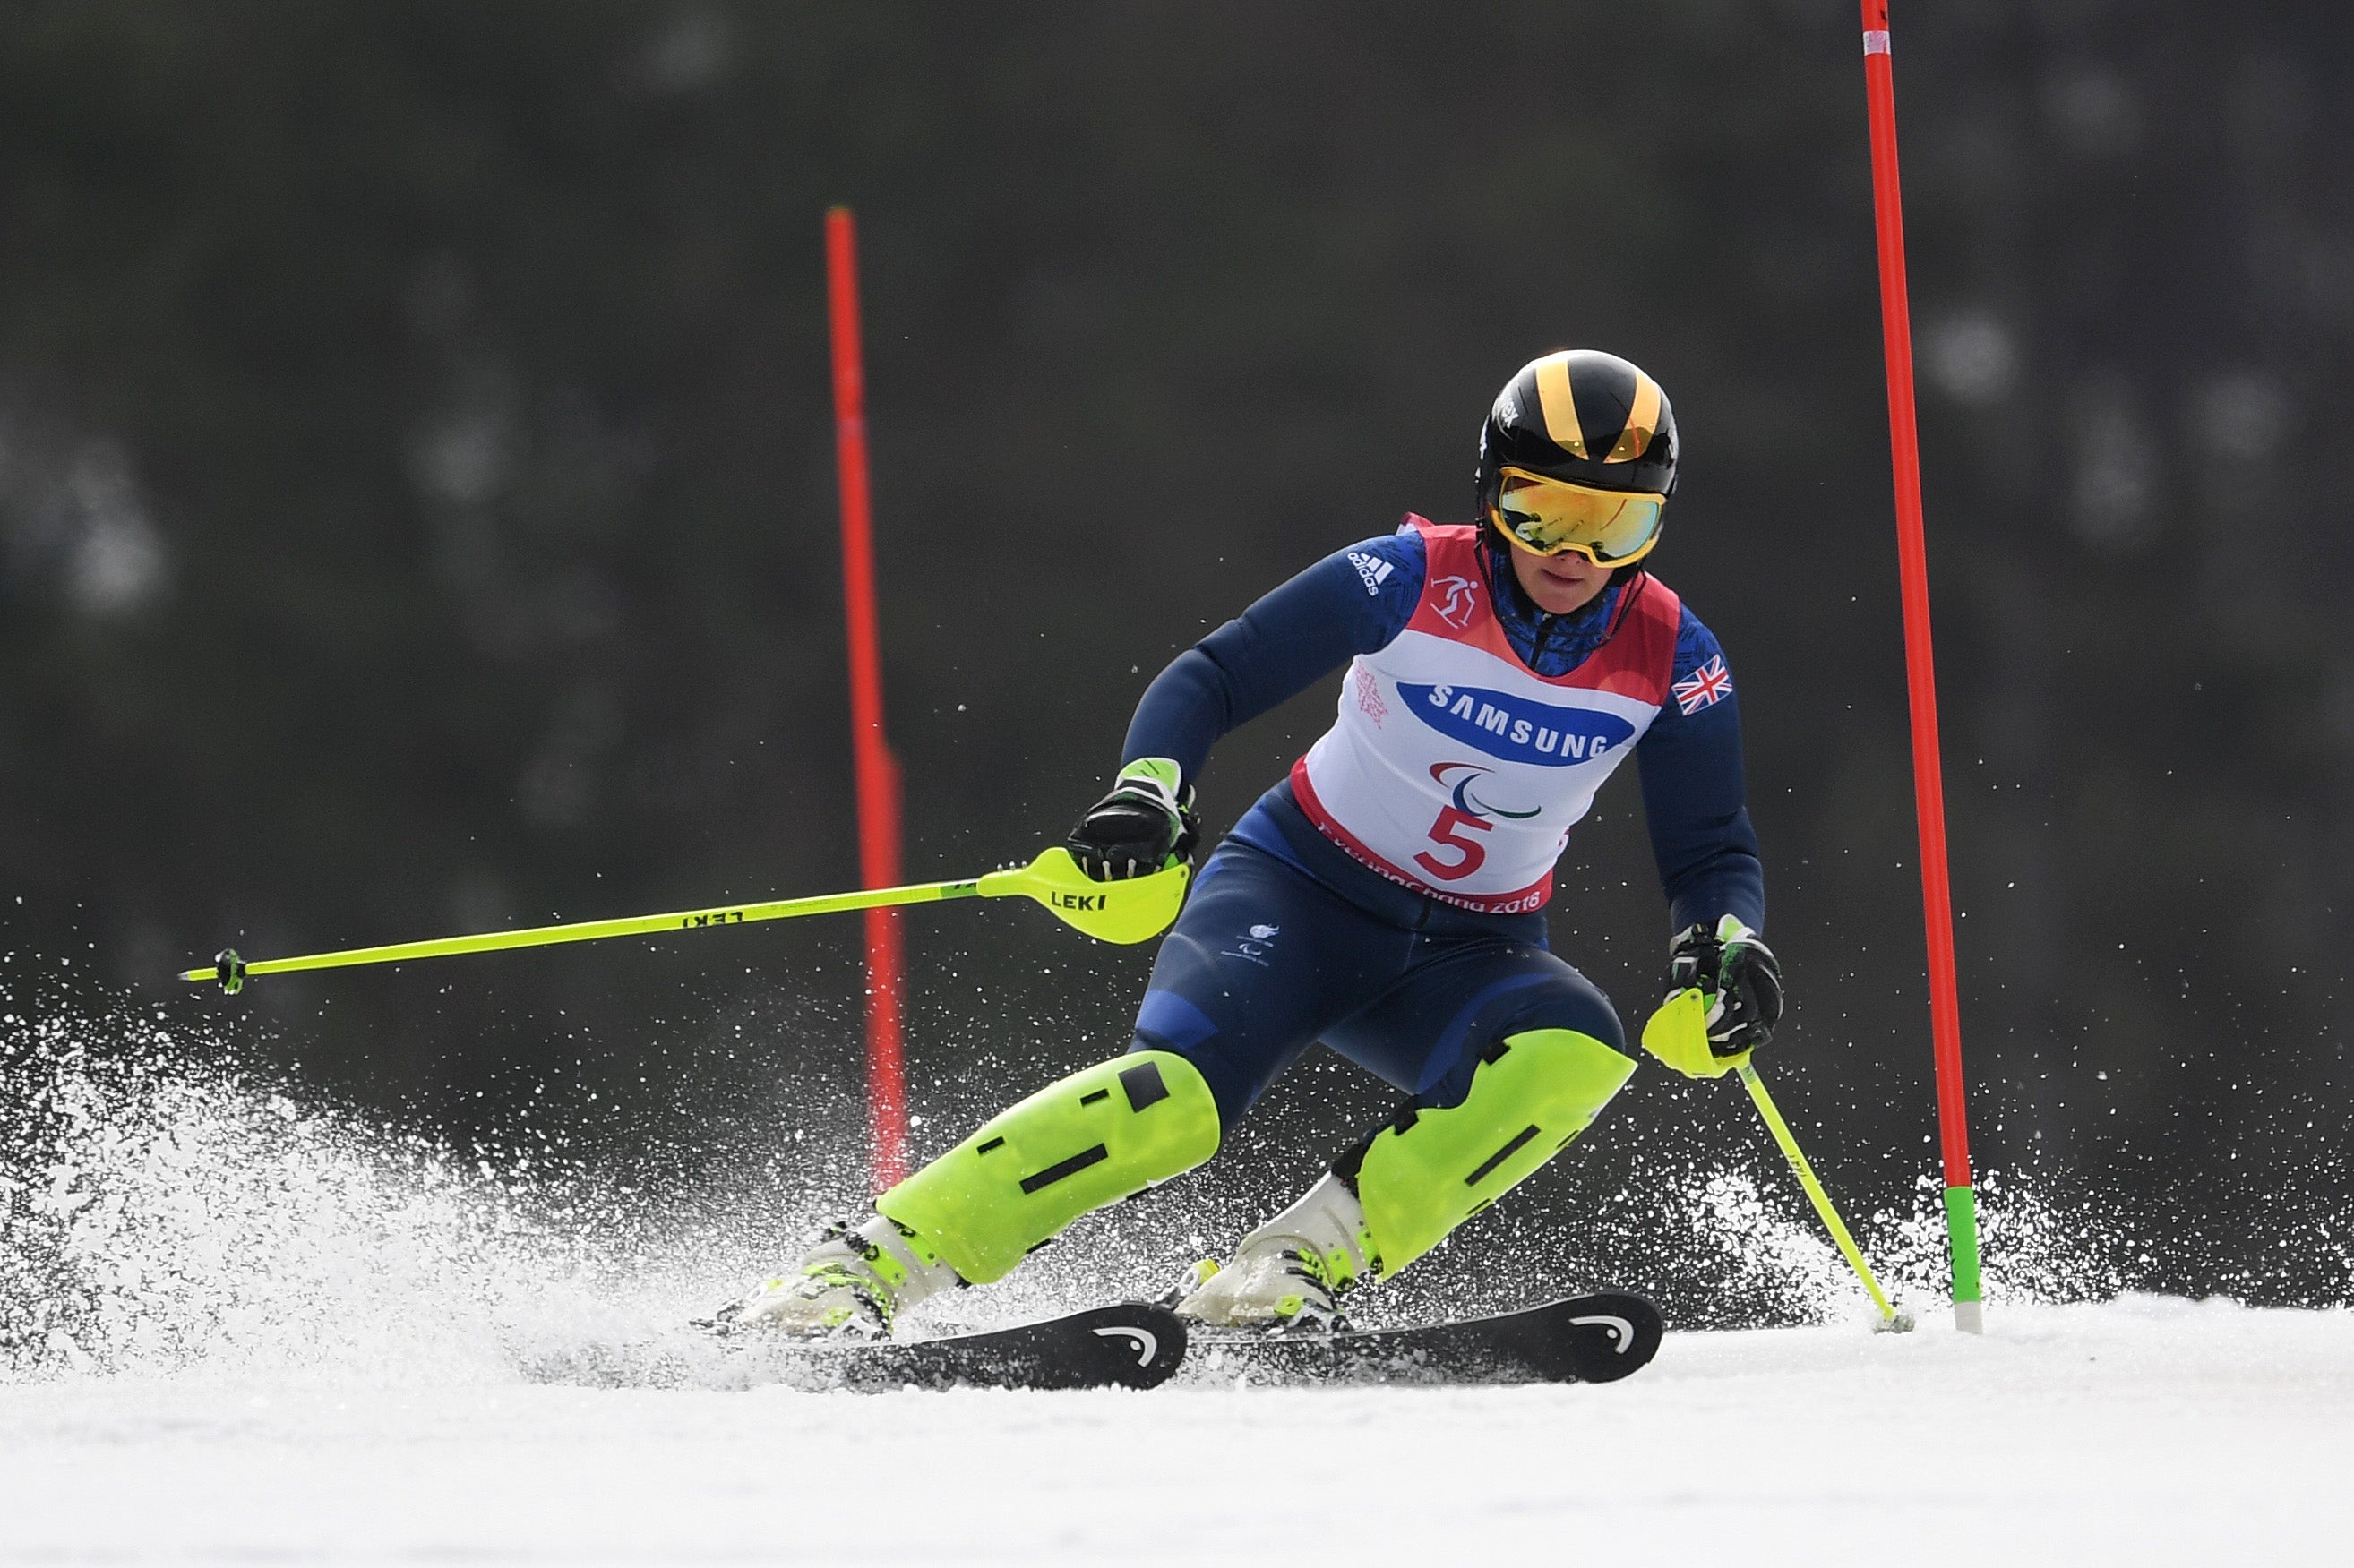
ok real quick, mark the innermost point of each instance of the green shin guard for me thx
(1430, 1171)
(1099, 1136)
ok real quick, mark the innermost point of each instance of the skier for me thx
(1387, 896)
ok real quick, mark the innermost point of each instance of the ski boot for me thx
(851, 1285)
(1287, 1276)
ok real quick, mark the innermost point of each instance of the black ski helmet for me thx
(1582, 415)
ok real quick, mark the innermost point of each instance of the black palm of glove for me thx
(1736, 972)
(1132, 831)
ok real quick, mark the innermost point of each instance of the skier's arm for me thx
(1280, 646)
(1694, 798)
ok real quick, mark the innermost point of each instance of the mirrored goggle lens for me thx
(1549, 516)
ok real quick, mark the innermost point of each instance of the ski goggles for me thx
(1547, 517)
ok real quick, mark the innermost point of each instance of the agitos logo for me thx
(1466, 813)
(1467, 802)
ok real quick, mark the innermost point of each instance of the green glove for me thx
(1724, 996)
(1147, 821)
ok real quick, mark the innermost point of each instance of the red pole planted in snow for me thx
(1921, 672)
(877, 769)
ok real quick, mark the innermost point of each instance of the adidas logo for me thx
(1372, 568)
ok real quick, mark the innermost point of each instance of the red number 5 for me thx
(1443, 831)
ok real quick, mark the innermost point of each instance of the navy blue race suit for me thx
(1288, 939)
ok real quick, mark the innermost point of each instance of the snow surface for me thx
(2140, 1431)
(234, 1328)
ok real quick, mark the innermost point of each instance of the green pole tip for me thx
(1962, 1236)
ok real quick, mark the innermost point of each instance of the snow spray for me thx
(168, 1209)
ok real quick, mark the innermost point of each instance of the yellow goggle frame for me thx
(1547, 517)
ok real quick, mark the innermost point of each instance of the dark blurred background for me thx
(417, 515)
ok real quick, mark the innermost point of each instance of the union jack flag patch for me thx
(1705, 687)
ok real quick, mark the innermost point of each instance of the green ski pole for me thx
(1130, 911)
(1890, 1319)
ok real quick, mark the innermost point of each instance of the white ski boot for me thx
(1289, 1275)
(851, 1285)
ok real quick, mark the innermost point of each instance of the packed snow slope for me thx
(2138, 1431)
(234, 1327)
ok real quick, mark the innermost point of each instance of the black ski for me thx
(1132, 1346)
(1584, 1339)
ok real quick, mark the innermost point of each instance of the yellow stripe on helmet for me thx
(1642, 422)
(1560, 403)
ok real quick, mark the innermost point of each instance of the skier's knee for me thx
(1169, 1023)
(1570, 1000)
(1565, 1001)
(1431, 1169)
(1097, 1136)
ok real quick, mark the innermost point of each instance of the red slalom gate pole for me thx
(877, 769)
(1920, 676)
